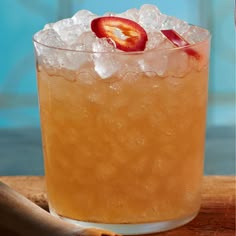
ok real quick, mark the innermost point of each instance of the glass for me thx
(124, 153)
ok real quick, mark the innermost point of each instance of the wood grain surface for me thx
(216, 217)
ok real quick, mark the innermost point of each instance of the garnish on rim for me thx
(179, 41)
(128, 35)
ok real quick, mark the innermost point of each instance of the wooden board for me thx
(216, 217)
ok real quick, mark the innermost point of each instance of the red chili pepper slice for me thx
(179, 41)
(128, 35)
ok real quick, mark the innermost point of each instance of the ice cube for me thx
(165, 63)
(48, 54)
(157, 40)
(168, 22)
(85, 42)
(132, 14)
(83, 47)
(154, 63)
(149, 17)
(178, 63)
(81, 51)
(55, 57)
(70, 34)
(154, 40)
(49, 37)
(181, 26)
(166, 44)
(171, 22)
(84, 18)
(62, 24)
(195, 34)
(68, 30)
(105, 61)
(73, 60)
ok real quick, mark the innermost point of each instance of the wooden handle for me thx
(27, 219)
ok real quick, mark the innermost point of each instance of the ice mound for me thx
(68, 43)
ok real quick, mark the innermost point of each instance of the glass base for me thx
(132, 229)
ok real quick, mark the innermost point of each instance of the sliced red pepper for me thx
(178, 41)
(128, 35)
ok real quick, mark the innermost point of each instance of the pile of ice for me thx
(74, 34)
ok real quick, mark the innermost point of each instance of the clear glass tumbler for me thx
(124, 153)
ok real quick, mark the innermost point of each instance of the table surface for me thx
(216, 216)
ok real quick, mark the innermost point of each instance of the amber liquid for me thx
(123, 151)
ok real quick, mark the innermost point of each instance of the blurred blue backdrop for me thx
(20, 19)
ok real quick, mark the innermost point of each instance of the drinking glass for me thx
(123, 135)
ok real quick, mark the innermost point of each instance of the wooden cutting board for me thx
(216, 217)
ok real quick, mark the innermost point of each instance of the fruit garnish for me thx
(127, 35)
(178, 41)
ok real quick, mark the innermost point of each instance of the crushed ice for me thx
(74, 34)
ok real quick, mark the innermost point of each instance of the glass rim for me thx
(207, 39)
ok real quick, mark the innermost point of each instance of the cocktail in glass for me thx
(123, 134)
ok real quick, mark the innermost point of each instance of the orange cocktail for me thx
(128, 148)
